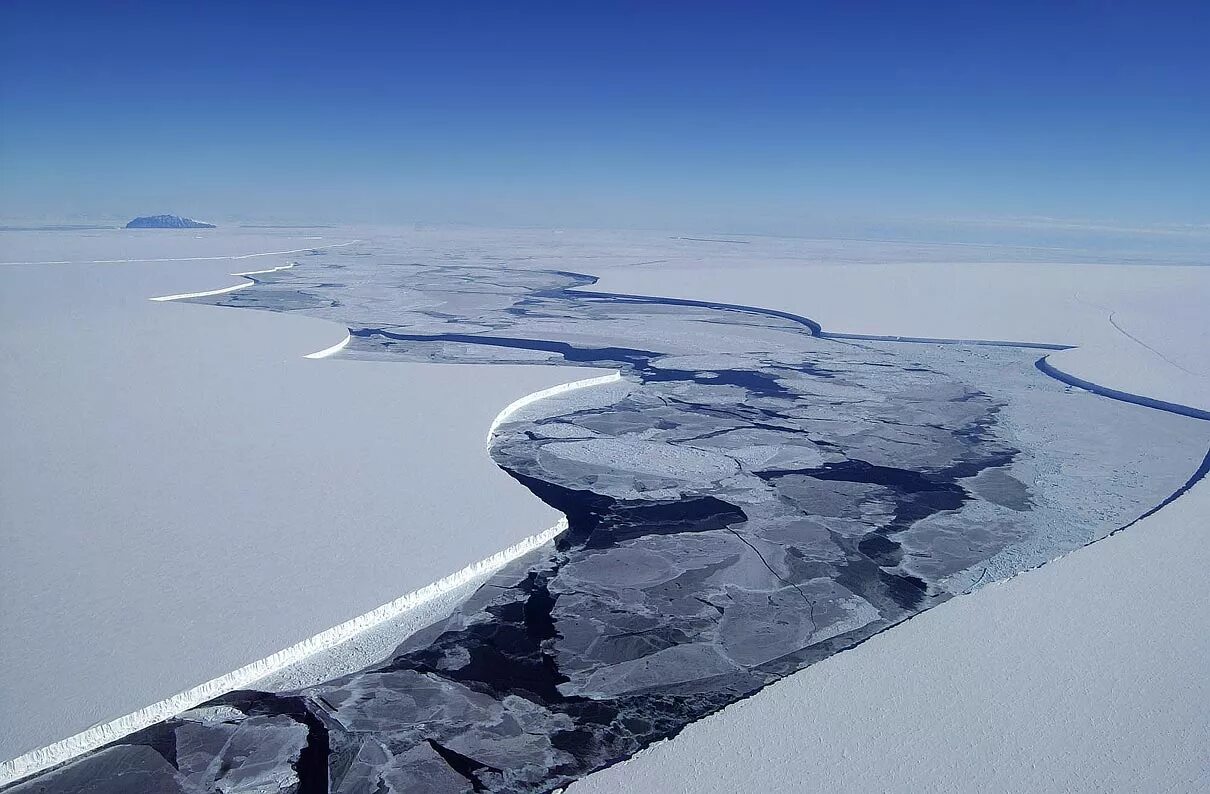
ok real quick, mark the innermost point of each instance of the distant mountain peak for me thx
(167, 222)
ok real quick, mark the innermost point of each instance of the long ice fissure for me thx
(744, 497)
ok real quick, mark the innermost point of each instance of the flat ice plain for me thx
(183, 493)
(576, 448)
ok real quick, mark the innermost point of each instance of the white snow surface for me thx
(181, 484)
(183, 494)
(286, 664)
(1138, 328)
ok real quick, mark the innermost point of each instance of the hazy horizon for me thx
(1041, 124)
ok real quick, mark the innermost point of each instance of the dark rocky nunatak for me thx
(167, 222)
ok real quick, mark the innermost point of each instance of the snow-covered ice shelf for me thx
(745, 498)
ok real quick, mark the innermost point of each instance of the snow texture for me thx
(174, 466)
(1025, 485)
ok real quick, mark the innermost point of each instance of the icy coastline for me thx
(712, 384)
(99, 735)
(123, 401)
(574, 438)
(266, 667)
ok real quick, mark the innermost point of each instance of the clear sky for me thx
(762, 117)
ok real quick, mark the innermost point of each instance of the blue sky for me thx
(763, 117)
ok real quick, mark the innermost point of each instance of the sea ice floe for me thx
(744, 499)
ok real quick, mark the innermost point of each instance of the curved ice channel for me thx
(748, 499)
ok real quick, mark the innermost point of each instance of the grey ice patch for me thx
(1000, 487)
